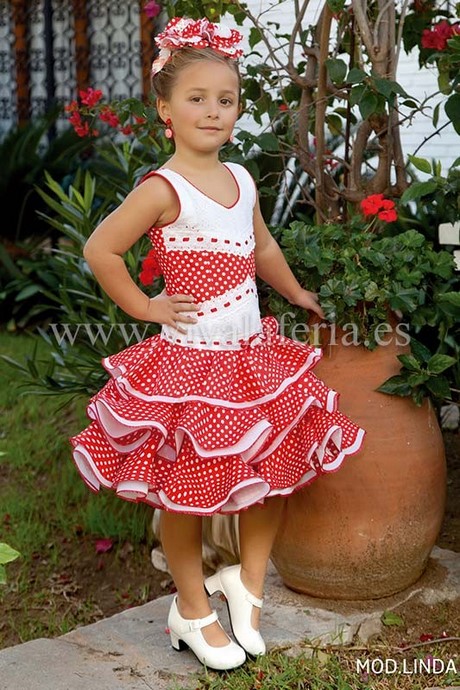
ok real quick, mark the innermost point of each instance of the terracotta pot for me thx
(367, 530)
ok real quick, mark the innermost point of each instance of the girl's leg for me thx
(257, 528)
(181, 538)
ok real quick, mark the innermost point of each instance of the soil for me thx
(74, 585)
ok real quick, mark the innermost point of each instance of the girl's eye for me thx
(196, 99)
(226, 101)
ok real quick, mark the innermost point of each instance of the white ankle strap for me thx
(254, 600)
(191, 625)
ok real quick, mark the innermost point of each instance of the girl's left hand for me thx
(309, 300)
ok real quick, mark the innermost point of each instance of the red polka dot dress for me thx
(228, 414)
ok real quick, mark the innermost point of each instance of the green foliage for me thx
(7, 554)
(85, 323)
(26, 155)
(363, 280)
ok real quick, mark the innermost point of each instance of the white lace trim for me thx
(224, 322)
(191, 239)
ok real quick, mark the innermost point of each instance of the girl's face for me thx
(203, 107)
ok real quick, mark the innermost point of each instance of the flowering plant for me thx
(129, 117)
(368, 279)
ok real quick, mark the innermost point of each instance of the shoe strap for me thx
(255, 601)
(198, 623)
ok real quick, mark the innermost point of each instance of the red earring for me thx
(168, 131)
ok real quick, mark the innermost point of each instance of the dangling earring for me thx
(168, 131)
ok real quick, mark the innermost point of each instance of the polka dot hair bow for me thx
(182, 32)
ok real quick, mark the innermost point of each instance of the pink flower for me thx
(103, 545)
(90, 97)
(152, 9)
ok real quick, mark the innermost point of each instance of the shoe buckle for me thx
(195, 624)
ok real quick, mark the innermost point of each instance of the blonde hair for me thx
(164, 80)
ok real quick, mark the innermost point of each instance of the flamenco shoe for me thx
(185, 632)
(240, 603)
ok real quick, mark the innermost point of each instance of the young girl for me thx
(218, 413)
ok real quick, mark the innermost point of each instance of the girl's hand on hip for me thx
(172, 310)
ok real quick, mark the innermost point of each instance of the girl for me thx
(218, 412)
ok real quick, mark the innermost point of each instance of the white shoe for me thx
(240, 603)
(186, 632)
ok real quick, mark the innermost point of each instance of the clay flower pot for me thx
(367, 530)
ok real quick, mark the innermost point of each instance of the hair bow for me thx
(181, 32)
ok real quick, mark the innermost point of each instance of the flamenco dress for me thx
(228, 414)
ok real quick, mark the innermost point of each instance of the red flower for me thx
(127, 129)
(377, 205)
(152, 9)
(140, 120)
(437, 37)
(71, 107)
(108, 115)
(90, 97)
(150, 269)
(388, 216)
(283, 107)
(371, 204)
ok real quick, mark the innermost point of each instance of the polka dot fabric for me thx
(214, 429)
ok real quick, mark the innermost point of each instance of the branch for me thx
(295, 30)
(446, 124)
(263, 33)
(378, 21)
(363, 26)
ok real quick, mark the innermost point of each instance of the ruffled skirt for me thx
(213, 431)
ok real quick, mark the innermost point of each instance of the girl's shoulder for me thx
(244, 178)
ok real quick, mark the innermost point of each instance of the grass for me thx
(44, 503)
(316, 668)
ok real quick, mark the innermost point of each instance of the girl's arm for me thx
(272, 267)
(151, 203)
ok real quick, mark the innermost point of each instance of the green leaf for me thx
(395, 385)
(392, 618)
(334, 123)
(2, 575)
(337, 70)
(368, 105)
(439, 363)
(356, 76)
(452, 108)
(410, 362)
(450, 298)
(7, 554)
(418, 189)
(336, 6)
(255, 37)
(420, 163)
(268, 142)
(439, 387)
(419, 350)
(436, 114)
